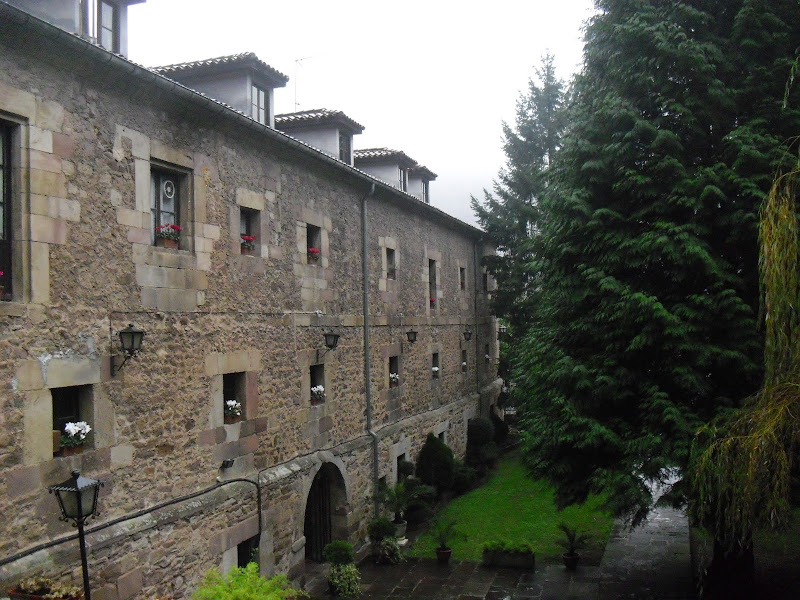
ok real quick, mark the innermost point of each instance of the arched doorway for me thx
(326, 511)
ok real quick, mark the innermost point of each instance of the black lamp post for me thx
(77, 499)
(131, 341)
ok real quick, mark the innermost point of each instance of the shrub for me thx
(388, 552)
(435, 464)
(380, 529)
(405, 469)
(245, 584)
(464, 478)
(481, 449)
(512, 547)
(338, 552)
(345, 580)
(500, 430)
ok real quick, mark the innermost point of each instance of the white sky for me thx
(432, 78)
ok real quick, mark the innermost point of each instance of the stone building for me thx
(98, 151)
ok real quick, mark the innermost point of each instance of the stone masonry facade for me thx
(87, 131)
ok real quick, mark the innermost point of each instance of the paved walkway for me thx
(650, 563)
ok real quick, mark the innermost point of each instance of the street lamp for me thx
(77, 499)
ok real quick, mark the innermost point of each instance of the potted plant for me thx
(433, 302)
(343, 576)
(394, 380)
(572, 544)
(318, 393)
(313, 254)
(73, 437)
(385, 550)
(444, 532)
(248, 244)
(463, 366)
(168, 236)
(232, 411)
(38, 587)
(435, 371)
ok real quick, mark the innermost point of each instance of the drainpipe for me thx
(477, 344)
(367, 372)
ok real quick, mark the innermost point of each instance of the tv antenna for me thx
(297, 64)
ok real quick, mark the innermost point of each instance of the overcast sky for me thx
(433, 78)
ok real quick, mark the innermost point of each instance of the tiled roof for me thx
(422, 172)
(382, 155)
(222, 63)
(311, 118)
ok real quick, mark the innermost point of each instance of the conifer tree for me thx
(511, 214)
(642, 322)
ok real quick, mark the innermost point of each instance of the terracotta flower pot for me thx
(230, 419)
(247, 251)
(167, 243)
(443, 555)
(71, 450)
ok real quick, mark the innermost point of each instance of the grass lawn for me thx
(512, 507)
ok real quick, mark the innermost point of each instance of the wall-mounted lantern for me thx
(331, 340)
(467, 334)
(131, 342)
(411, 335)
(501, 331)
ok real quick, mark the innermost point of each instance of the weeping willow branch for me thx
(742, 467)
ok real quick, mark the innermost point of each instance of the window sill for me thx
(9, 308)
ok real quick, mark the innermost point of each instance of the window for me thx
(247, 552)
(233, 396)
(108, 26)
(345, 147)
(404, 179)
(248, 227)
(317, 377)
(442, 438)
(432, 282)
(259, 104)
(485, 282)
(435, 365)
(462, 278)
(313, 242)
(70, 405)
(394, 371)
(391, 267)
(5, 212)
(101, 21)
(399, 467)
(464, 361)
(426, 193)
(165, 200)
(488, 357)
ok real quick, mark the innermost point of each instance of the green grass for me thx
(513, 508)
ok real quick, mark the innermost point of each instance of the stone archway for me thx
(326, 511)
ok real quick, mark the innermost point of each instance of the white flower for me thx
(233, 408)
(318, 391)
(77, 431)
(435, 369)
(464, 363)
(488, 357)
(394, 377)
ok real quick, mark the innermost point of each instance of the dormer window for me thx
(108, 26)
(259, 104)
(404, 179)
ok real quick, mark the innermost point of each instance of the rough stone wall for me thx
(85, 266)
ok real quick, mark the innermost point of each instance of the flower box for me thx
(509, 559)
(167, 243)
(248, 244)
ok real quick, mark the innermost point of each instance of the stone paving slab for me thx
(652, 562)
